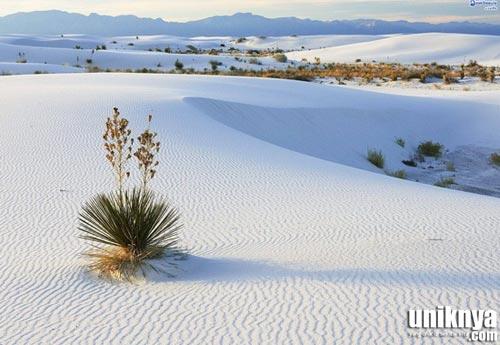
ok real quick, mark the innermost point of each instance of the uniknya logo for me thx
(479, 323)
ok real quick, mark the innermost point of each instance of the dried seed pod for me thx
(145, 153)
(118, 151)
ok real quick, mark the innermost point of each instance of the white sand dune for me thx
(30, 68)
(181, 43)
(122, 59)
(421, 48)
(288, 246)
(133, 53)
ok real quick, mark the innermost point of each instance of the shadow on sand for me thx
(214, 270)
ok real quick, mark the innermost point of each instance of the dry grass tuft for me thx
(376, 158)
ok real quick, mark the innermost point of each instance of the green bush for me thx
(178, 65)
(401, 142)
(280, 58)
(430, 149)
(495, 159)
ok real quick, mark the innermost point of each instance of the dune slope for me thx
(287, 246)
(416, 48)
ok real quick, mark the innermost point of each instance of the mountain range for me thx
(239, 24)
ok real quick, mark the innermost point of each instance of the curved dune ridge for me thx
(287, 246)
(416, 48)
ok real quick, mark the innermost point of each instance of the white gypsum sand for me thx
(44, 53)
(287, 245)
(443, 48)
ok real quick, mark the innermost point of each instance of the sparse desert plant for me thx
(178, 65)
(214, 64)
(445, 182)
(410, 163)
(376, 158)
(430, 149)
(254, 61)
(280, 57)
(129, 227)
(398, 174)
(400, 141)
(21, 58)
(495, 159)
(450, 166)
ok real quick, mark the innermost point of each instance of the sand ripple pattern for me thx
(286, 248)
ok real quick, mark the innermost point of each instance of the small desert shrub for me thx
(445, 182)
(495, 159)
(129, 227)
(450, 166)
(401, 142)
(280, 58)
(430, 149)
(410, 163)
(376, 158)
(214, 64)
(178, 65)
(254, 61)
(398, 174)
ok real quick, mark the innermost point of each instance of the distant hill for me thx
(239, 24)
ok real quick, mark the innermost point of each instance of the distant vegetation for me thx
(376, 158)
(178, 65)
(401, 142)
(398, 174)
(495, 159)
(430, 149)
(280, 57)
(445, 182)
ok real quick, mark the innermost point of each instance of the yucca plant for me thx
(127, 228)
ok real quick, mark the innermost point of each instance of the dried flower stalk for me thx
(118, 145)
(145, 154)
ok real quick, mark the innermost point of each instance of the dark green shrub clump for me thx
(401, 142)
(495, 159)
(430, 149)
(376, 158)
(178, 65)
(410, 163)
(280, 58)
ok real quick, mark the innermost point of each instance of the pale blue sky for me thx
(183, 10)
